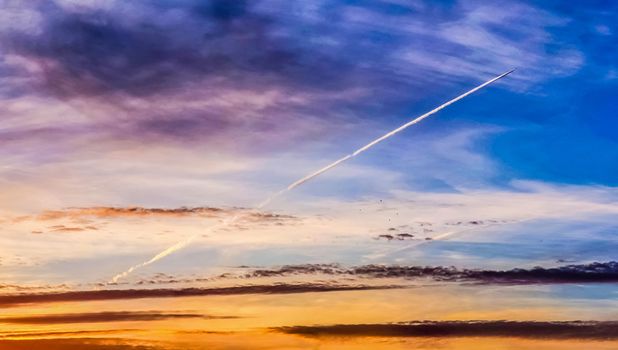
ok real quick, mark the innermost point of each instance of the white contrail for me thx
(301, 181)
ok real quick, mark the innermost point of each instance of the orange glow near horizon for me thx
(255, 315)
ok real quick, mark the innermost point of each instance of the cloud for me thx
(73, 344)
(251, 77)
(18, 299)
(104, 49)
(570, 219)
(586, 273)
(111, 316)
(256, 66)
(219, 74)
(20, 334)
(85, 215)
(62, 228)
(597, 330)
(110, 212)
(95, 51)
(397, 236)
(520, 42)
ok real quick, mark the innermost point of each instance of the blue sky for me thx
(386, 60)
(165, 104)
(137, 139)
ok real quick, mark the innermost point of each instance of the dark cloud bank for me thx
(73, 344)
(99, 317)
(590, 330)
(587, 273)
(90, 295)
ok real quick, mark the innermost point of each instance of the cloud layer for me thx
(587, 273)
(520, 329)
(263, 71)
(141, 212)
(110, 316)
(90, 295)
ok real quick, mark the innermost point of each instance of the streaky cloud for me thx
(591, 330)
(113, 212)
(125, 294)
(85, 343)
(109, 316)
(598, 272)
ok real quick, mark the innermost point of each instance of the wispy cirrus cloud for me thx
(241, 69)
(237, 80)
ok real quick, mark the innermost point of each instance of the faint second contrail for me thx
(301, 181)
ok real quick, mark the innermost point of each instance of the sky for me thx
(129, 126)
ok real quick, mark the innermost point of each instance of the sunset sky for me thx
(129, 126)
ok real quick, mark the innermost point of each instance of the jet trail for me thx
(392, 133)
(171, 249)
(304, 179)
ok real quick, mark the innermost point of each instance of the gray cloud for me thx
(89, 295)
(73, 344)
(99, 317)
(587, 273)
(597, 330)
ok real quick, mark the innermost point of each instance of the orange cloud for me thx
(109, 212)
(128, 212)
